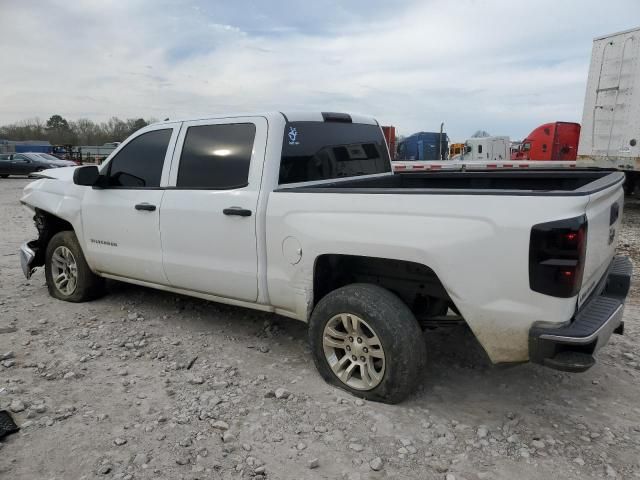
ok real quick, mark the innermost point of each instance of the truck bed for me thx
(510, 182)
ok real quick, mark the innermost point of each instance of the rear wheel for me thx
(68, 276)
(365, 340)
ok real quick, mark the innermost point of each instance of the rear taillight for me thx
(556, 256)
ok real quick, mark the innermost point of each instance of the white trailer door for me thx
(611, 117)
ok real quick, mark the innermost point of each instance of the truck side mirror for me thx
(87, 176)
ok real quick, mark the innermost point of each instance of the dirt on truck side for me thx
(144, 384)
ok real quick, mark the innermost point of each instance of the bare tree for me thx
(59, 131)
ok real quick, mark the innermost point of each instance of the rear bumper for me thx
(571, 346)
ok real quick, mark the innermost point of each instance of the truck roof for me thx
(290, 116)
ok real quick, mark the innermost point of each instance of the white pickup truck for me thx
(300, 214)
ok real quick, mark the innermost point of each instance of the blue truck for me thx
(424, 146)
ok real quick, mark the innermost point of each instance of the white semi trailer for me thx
(610, 134)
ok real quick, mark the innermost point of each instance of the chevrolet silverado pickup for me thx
(300, 214)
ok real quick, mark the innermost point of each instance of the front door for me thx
(22, 165)
(208, 213)
(121, 220)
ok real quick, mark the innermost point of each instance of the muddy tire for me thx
(365, 340)
(68, 276)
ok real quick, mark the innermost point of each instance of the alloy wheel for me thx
(354, 351)
(64, 270)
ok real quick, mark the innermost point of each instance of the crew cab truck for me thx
(300, 214)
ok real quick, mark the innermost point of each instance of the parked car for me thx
(53, 159)
(28, 163)
(301, 215)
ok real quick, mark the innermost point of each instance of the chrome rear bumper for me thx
(571, 347)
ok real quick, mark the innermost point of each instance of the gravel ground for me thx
(144, 384)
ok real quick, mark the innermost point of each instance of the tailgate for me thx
(604, 217)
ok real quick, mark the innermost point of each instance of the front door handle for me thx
(146, 207)
(241, 212)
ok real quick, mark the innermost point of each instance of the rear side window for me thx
(139, 163)
(216, 157)
(314, 151)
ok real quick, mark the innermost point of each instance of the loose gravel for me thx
(144, 384)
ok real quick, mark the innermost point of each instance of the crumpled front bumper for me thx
(27, 259)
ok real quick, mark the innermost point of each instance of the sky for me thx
(504, 66)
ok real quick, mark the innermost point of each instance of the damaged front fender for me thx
(56, 202)
(28, 257)
(32, 254)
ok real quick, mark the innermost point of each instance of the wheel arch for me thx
(417, 285)
(47, 224)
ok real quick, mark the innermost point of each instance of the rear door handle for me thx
(146, 207)
(241, 212)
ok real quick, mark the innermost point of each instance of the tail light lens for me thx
(556, 256)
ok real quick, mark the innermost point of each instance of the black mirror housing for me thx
(87, 176)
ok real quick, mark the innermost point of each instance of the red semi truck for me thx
(550, 141)
(390, 136)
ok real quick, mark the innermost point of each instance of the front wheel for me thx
(365, 340)
(68, 276)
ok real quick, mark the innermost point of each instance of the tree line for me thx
(59, 131)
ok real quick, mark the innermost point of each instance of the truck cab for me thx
(550, 141)
(495, 149)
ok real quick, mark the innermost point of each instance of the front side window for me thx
(326, 150)
(216, 157)
(139, 163)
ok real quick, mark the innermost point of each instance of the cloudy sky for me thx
(504, 66)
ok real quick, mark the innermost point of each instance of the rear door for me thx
(208, 213)
(121, 221)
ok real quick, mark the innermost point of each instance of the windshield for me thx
(314, 151)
